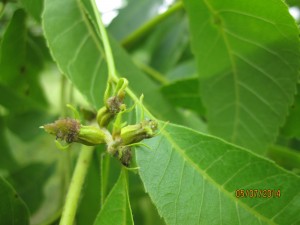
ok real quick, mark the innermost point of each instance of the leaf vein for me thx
(70, 28)
(93, 80)
(202, 199)
(272, 23)
(246, 87)
(286, 205)
(236, 173)
(254, 66)
(165, 170)
(179, 190)
(181, 152)
(254, 118)
(77, 52)
(237, 36)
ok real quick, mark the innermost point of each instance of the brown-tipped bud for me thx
(115, 104)
(136, 133)
(64, 129)
(70, 130)
(124, 154)
(107, 113)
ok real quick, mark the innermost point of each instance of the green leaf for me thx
(34, 7)
(12, 52)
(131, 17)
(192, 179)
(293, 3)
(26, 125)
(76, 47)
(116, 209)
(164, 44)
(184, 93)
(110, 172)
(21, 59)
(143, 209)
(7, 161)
(13, 210)
(15, 102)
(183, 70)
(250, 59)
(292, 124)
(31, 179)
(170, 43)
(24, 115)
(161, 108)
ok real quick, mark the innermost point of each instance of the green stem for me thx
(109, 56)
(73, 195)
(67, 168)
(63, 83)
(71, 94)
(152, 72)
(108, 52)
(130, 40)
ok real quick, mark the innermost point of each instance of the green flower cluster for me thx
(120, 140)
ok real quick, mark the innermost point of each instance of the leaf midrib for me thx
(234, 72)
(89, 27)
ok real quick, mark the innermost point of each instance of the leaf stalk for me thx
(108, 52)
(130, 40)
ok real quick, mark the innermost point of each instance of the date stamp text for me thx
(257, 193)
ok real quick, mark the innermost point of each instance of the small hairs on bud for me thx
(64, 129)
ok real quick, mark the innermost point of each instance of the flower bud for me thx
(64, 129)
(115, 104)
(90, 135)
(136, 133)
(104, 116)
(120, 89)
(70, 130)
(124, 154)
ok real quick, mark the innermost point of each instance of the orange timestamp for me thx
(258, 193)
